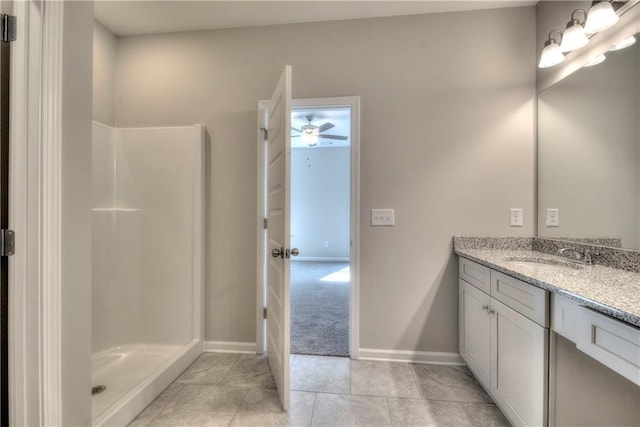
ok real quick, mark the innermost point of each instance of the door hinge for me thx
(264, 312)
(7, 242)
(265, 132)
(264, 223)
(8, 29)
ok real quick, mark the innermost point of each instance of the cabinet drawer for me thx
(565, 317)
(476, 274)
(524, 298)
(613, 343)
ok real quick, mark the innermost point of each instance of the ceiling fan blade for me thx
(297, 130)
(295, 136)
(340, 137)
(325, 126)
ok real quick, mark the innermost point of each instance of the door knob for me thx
(291, 252)
(277, 253)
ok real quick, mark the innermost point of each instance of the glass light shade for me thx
(601, 16)
(624, 43)
(595, 61)
(573, 37)
(551, 54)
(310, 137)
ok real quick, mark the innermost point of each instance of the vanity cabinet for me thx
(611, 342)
(504, 339)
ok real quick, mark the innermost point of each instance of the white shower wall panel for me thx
(103, 166)
(115, 303)
(146, 184)
(156, 184)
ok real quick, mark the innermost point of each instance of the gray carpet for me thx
(319, 308)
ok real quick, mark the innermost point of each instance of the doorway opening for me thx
(320, 229)
(323, 277)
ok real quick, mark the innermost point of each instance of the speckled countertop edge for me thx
(611, 291)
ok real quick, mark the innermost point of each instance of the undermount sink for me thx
(545, 263)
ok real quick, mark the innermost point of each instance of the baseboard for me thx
(230, 347)
(321, 259)
(434, 358)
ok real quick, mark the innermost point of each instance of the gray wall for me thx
(320, 201)
(104, 74)
(447, 141)
(76, 213)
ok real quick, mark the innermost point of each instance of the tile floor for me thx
(238, 390)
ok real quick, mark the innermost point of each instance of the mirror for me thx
(589, 153)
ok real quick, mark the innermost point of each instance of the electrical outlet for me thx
(516, 217)
(382, 217)
(553, 218)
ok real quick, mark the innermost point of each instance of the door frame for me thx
(35, 197)
(354, 292)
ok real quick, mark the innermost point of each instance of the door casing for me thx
(354, 307)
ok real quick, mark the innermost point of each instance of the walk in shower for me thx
(147, 264)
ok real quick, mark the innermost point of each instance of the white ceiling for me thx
(126, 18)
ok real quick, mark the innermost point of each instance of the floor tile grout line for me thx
(420, 399)
(313, 409)
(163, 406)
(224, 377)
(350, 377)
(415, 380)
(386, 400)
(246, 394)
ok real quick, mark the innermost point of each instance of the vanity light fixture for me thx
(600, 17)
(551, 53)
(624, 43)
(595, 61)
(574, 37)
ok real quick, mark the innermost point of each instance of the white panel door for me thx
(278, 237)
(518, 366)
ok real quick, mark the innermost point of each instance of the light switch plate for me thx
(553, 218)
(383, 217)
(516, 217)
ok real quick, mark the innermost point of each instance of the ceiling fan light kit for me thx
(310, 133)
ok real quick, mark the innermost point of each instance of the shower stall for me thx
(147, 264)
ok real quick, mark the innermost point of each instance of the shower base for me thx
(133, 376)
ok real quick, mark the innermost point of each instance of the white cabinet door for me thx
(518, 366)
(475, 331)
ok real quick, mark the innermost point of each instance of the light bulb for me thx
(551, 54)
(601, 16)
(624, 43)
(573, 37)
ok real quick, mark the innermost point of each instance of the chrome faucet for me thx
(588, 256)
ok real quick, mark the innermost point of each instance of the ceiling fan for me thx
(310, 133)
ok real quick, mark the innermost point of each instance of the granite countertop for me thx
(612, 291)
